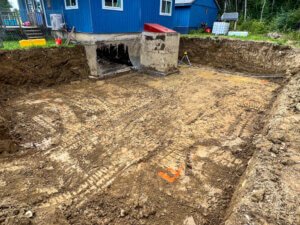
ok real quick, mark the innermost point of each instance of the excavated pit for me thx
(134, 149)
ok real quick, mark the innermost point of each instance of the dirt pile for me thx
(43, 66)
(24, 70)
(242, 56)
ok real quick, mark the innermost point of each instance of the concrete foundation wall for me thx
(154, 53)
(159, 52)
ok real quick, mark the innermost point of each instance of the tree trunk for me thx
(273, 4)
(262, 10)
(245, 11)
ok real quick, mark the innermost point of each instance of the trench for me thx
(134, 149)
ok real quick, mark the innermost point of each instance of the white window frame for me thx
(160, 8)
(71, 7)
(112, 7)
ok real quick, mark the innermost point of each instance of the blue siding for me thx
(132, 19)
(23, 11)
(151, 13)
(55, 8)
(182, 19)
(91, 18)
(107, 21)
(202, 14)
(79, 18)
(201, 11)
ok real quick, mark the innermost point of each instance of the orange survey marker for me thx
(171, 179)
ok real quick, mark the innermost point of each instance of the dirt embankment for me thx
(43, 67)
(241, 56)
(26, 69)
(270, 188)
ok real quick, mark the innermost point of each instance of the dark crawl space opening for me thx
(113, 58)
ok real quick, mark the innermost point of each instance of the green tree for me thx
(5, 5)
(257, 9)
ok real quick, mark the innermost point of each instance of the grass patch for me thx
(14, 45)
(291, 39)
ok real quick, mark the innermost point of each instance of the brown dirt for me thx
(27, 69)
(242, 56)
(43, 67)
(269, 191)
(149, 150)
(132, 150)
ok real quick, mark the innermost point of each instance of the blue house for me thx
(192, 14)
(100, 16)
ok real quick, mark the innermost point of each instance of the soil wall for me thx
(40, 67)
(269, 190)
(43, 66)
(241, 56)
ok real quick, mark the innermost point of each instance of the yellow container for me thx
(33, 42)
(25, 43)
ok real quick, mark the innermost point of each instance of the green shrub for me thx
(287, 21)
(294, 36)
(199, 31)
(255, 27)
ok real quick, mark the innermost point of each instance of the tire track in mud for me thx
(97, 181)
(102, 178)
(158, 128)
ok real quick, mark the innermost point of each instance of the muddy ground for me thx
(204, 146)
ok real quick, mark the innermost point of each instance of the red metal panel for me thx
(156, 28)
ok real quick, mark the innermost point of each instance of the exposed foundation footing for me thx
(152, 53)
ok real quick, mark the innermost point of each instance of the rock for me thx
(123, 213)
(258, 195)
(189, 221)
(298, 107)
(275, 149)
(274, 35)
(29, 214)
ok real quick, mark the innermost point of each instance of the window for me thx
(71, 4)
(166, 7)
(112, 4)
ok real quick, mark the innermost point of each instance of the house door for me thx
(35, 12)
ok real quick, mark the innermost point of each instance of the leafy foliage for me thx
(263, 16)
(254, 7)
(288, 20)
(255, 27)
(5, 5)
